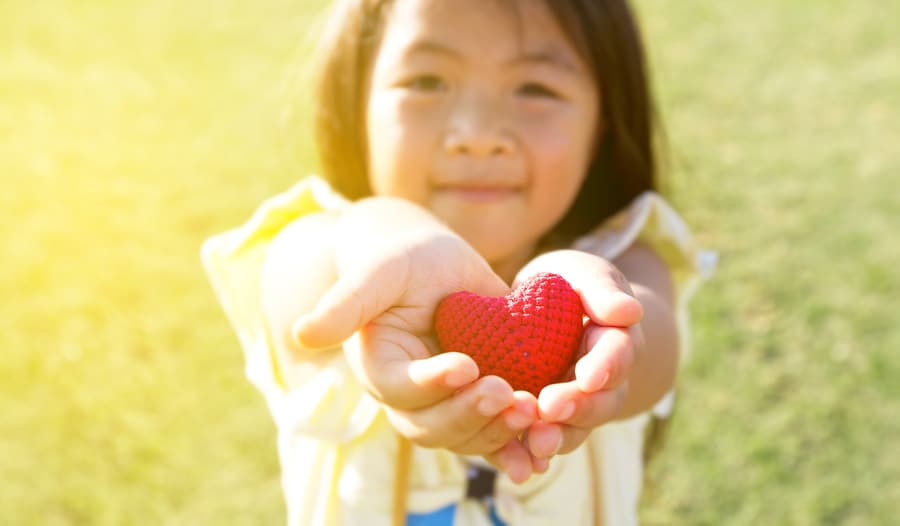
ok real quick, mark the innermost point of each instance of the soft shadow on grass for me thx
(131, 131)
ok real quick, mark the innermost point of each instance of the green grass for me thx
(130, 131)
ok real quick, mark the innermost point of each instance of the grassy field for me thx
(130, 131)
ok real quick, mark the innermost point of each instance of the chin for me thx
(502, 255)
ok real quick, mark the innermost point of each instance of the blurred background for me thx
(130, 131)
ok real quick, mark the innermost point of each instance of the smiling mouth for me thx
(477, 194)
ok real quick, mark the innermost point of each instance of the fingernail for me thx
(567, 411)
(490, 406)
(639, 309)
(458, 378)
(559, 445)
(518, 474)
(541, 465)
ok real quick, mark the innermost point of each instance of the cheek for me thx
(397, 147)
(559, 159)
(563, 137)
(560, 155)
(552, 199)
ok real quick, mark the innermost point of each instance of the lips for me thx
(476, 193)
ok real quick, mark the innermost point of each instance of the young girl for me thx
(467, 145)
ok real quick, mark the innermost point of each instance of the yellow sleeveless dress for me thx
(342, 462)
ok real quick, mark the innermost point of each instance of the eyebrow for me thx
(549, 56)
(431, 46)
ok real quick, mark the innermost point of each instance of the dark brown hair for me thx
(606, 35)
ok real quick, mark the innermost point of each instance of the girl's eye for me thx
(533, 89)
(426, 83)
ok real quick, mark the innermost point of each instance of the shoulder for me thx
(305, 234)
(650, 241)
(298, 268)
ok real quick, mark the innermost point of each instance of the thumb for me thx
(352, 302)
(605, 292)
(610, 306)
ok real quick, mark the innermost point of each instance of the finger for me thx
(514, 460)
(611, 353)
(608, 299)
(391, 364)
(547, 440)
(458, 418)
(540, 465)
(503, 428)
(604, 290)
(573, 437)
(351, 302)
(524, 411)
(566, 404)
(544, 439)
(488, 439)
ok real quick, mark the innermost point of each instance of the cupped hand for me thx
(392, 273)
(596, 386)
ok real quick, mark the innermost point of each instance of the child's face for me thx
(485, 116)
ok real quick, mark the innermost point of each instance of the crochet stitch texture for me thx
(528, 337)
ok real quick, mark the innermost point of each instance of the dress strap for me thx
(596, 485)
(401, 480)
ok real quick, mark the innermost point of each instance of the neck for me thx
(509, 266)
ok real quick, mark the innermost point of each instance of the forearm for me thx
(653, 373)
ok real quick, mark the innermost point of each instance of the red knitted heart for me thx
(528, 337)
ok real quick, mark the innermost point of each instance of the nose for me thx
(476, 128)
